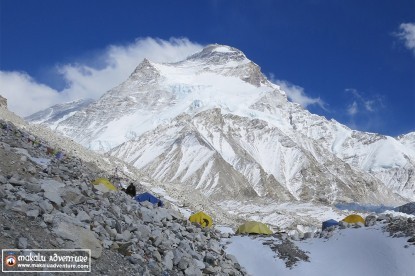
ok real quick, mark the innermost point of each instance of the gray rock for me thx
(119, 227)
(359, 225)
(193, 271)
(210, 259)
(308, 235)
(33, 187)
(116, 210)
(34, 212)
(147, 215)
(370, 220)
(211, 270)
(106, 244)
(232, 258)
(22, 243)
(83, 217)
(52, 190)
(168, 260)
(100, 230)
(81, 237)
(184, 263)
(18, 206)
(225, 235)
(154, 267)
(136, 259)
(214, 246)
(72, 195)
(156, 255)
(158, 241)
(28, 197)
(111, 231)
(147, 205)
(178, 255)
(124, 236)
(343, 224)
(201, 265)
(45, 206)
(16, 182)
(185, 246)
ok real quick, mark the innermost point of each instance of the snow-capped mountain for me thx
(215, 123)
(54, 114)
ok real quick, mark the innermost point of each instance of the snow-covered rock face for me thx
(214, 122)
(227, 61)
(3, 102)
(56, 113)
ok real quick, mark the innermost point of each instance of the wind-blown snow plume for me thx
(92, 76)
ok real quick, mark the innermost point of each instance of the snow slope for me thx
(363, 251)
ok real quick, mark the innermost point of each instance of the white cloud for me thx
(296, 94)
(407, 34)
(370, 105)
(353, 109)
(25, 96)
(84, 80)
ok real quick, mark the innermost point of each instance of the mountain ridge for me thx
(221, 78)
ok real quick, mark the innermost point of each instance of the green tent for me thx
(254, 227)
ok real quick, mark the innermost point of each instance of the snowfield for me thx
(352, 251)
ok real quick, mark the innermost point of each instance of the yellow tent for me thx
(201, 218)
(354, 219)
(103, 185)
(253, 227)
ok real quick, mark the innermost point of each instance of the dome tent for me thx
(201, 218)
(254, 227)
(354, 219)
(148, 197)
(329, 223)
(103, 185)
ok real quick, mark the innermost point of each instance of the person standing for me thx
(130, 190)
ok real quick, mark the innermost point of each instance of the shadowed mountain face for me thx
(214, 122)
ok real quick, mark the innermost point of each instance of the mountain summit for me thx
(214, 122)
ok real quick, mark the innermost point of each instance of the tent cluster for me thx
(349, 219)
(250, 227)
(104, 185)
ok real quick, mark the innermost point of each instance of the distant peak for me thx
(145, 71)
(218, 54)
(145, 64)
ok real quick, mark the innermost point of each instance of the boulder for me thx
(168, 260)
(83, 216)
(81, 237)
(370, 220)
(52, 190)
(21, 243)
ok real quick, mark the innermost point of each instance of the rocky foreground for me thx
(49, 203)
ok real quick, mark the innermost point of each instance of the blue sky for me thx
(353, 61)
